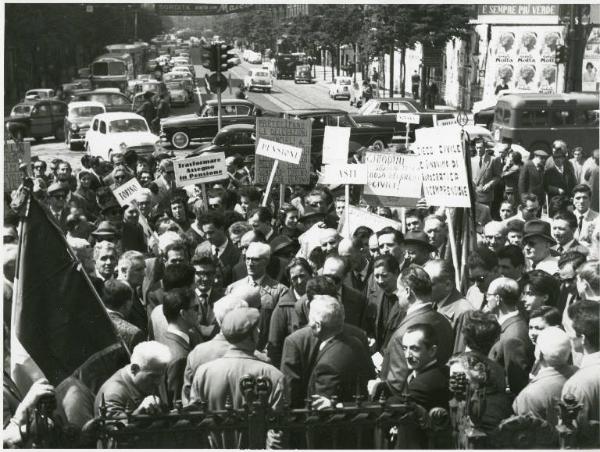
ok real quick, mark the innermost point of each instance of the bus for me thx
(112, 71)
(138, 51)
(534, 121)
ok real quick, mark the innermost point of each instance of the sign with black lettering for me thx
(394, 179)
(442, 166)
(126, 192)
(202, 169)
(344, 173)
(292, 132)
(279, 151)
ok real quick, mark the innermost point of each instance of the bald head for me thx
(251, 295)
(350, 251)
(335, 266)
(227, 304)
(494, 233)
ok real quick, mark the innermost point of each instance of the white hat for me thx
(555, 346)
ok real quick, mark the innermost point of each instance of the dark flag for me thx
(58, 318)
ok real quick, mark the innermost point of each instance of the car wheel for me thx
(296, 82)
(378, 145)
(180, 140)
(59, 134)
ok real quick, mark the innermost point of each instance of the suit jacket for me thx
(394, 369)
(453, 306)
(351, 280)
(554, 179)
(129, 333)
(119, 393)
(230, 256)
(342, 367)
(575, 245)
(489, 173)
(270, 293)
(514, 352)
(138, 314)
(299, 354)
(384, 328)
(284, 321)
(180, 349)
(207, 324)
(155, 270)
(532, 181)
(429, 388)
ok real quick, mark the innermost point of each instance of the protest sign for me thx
(392, 179)
(408, 118)
(15, 154)
(279, 151)
(359, 217)
(443, 167)
(126, 192)
(336, 142)
(293, 132)
(202, 169)
(344, 173)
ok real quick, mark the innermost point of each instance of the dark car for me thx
(111, 98)
(181, 130)
(37, 119)
(382, 112)
(234, 139)
(360, 135)
(303, 74)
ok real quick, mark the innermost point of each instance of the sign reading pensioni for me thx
(200, 170)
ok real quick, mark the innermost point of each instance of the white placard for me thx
(279, 151)
(344, 173)
(126, 192)
(202, 169)
(359, 217)
(442, 166)
(336, 142)
(408, 118)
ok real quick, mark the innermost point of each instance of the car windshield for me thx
(111, 68)
(368, 107)
(175, 85)
(150, 87)
(344, 81)
(261, 74)
(128, 125)
(208, 111)
(85, 112)
(20, 110)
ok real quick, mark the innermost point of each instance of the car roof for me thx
(118, 115)
(43, 90)
(213, 103)
(86, 103)
(315, 111)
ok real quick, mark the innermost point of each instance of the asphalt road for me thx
(284, 95)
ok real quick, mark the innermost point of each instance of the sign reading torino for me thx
(126, 192)
(200, 170)
(443, 166)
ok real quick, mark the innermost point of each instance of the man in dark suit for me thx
(488, 176)
(388, 313)
(218, 246)
(513, 350)
(181, 311)
(360, 267)
(260, 220)
(564, 225)
(531, 178)
(117, 298)
(353, 301)
(414, 291)
(207, 294)
(131, 270)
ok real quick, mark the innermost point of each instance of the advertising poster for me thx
(523, 58)
(591, 62)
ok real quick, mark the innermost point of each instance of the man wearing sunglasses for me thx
(483, 269)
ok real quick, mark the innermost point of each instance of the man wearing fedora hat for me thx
(57, 202)
(537, 245)
(417, 249)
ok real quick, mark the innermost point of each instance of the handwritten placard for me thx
(408, 118)
(442, 166)
(125, 193)
(293, 132)
(336, 142)
(279, 151)
(15, 154)
(392, 179)
(344, 173)
(202, 169)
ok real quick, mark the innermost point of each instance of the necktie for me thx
(480, 160)
(580, 225)
(560, 249)
(215, 252)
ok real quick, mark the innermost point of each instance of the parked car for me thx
(235, 139)
(258, 79)
(111, 99)
(303, 74)
(37, 119)
(382, 112)
(77, 122)
(178, 94)
(181, 130)
(39, 93)
(340, 87)
(119, 132)
(360, 134)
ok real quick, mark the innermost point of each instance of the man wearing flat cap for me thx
(537, 245)
(531, 177)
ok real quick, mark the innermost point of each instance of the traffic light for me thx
(226, 58)
(210, 56)
(560, 55)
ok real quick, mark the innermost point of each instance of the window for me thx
(344, 121)
(42, 110)
(498, 115)
(102, 127)
(318, 122)
(398, 107)
(535, 118)
(506, 116)
(243, 110)
(128, 125)
(587, 117)
(562, 117)
(95, 125)
(118, 100)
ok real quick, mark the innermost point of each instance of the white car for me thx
(340, 87)
(254, 58)
(119, 132)
(258, 79)
(182, 70)
(40, 93)
(180, 61)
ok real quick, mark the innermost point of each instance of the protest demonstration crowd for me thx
(324, 294)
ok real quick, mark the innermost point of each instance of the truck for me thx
(285, 65)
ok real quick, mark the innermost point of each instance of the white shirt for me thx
(325, 342)
(181, 334)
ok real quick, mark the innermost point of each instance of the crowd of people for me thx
(204, 290)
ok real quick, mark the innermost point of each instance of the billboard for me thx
(523, 58)
(591, 61)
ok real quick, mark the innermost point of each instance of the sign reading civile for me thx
(408, 118)
(200, 170)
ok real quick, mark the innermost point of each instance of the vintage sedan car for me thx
(39, 93)
(37, 119)
(111, 99)
(77, 122)
(360, 135)
(119, 132)
(154, 86)
(258, 79)
(181, 130)
(303, 74)
(340, 87)
(383, 112)
(178, 94)
(235, 139)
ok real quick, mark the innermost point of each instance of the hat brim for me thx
(543, 236)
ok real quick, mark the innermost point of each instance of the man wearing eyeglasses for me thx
(207, 294)
(39, 170)
(483, 269)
